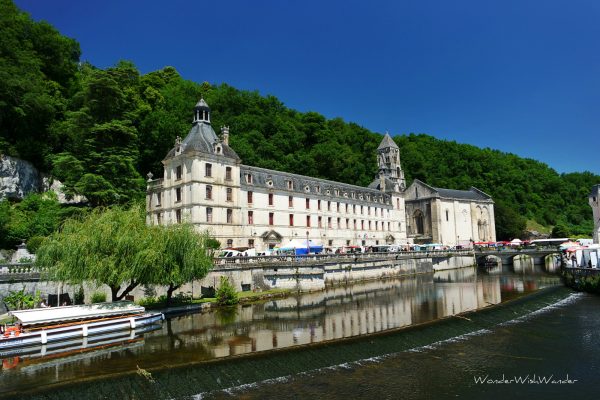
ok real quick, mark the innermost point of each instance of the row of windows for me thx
(207, 172)
(339, 207)
(370, 225)
(317, 189)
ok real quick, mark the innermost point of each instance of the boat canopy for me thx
(55, 315)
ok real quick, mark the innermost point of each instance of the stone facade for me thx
(451, 217)
(205, 183)
(594, 202)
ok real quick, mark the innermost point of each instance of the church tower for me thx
(388, 158)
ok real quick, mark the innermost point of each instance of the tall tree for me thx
(112, 247)
(186, 256)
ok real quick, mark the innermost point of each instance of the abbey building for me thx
(206, 184)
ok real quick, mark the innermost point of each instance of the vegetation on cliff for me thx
(101, 130)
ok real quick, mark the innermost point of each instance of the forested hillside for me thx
(100, 131)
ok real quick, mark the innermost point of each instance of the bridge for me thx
(507, 255)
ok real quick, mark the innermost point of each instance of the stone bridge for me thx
(539, 256)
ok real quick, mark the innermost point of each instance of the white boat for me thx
(41, 326)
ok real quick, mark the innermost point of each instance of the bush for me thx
(34, 243)
(226, 294)
(19, 300)
(98, 297)
(79, 296)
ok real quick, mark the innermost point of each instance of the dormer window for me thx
(249, 179)
(290, 185)
(178, 172)
(218, 149)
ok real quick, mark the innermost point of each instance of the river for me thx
(388, 339)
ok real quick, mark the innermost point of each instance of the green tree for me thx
(185, 256)
(112, 247)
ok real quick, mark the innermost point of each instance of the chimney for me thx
(225, 133)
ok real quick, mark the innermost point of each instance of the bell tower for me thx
(388, 158)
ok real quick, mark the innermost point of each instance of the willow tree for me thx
(112, 247)
(185, 255)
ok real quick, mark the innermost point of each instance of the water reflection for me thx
(336, 313)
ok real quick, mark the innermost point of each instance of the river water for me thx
(388, 339)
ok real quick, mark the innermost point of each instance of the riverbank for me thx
(175, 380)
(582, 279)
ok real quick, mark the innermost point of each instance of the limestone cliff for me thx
(18, 178)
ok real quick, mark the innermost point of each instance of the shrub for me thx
(79, 296)
(34, 243)
(98, 297)
(226, 294)
(19, 300)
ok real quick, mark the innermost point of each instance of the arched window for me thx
(419, 225)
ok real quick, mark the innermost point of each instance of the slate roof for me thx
(308, 185)
(472, 194)
(202, 138)
(387, 142)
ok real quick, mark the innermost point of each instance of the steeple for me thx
(388, 158)
(201, 112)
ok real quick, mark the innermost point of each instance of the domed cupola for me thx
(201, 112)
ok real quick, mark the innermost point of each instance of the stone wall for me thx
(304, 277)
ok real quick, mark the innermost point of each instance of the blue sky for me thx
(519, 76)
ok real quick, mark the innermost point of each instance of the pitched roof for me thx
(471, 194)
(202, 138)
(387, 142)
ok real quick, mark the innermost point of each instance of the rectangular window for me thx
(270, 199)
(308, 204)
(346, 208)
(362, 210)
(229, 216)
(308, 221)
(251, 243)
(369, 225)
(354, 224)
(446, 215)
(208, 170)
(330, 242)
(177, 195)
(158, 196)
(249, 178)
(178, 172)
(329, 222)
(339, 223)
(389, 226)
(291, 219)
(320, 221)
(338, 207)
(178, 216)
(329, 206)
(347, 223)
(347, 243)
(271, 218)
(229, 192)
(209, 214)
(227, 173)
(290, 185)
(369, 210)
(398, 204)
(362, 224)
(250, 198)
(354, 208)
(208, 192)
(318, 204)
(291, 201)
(250, 217)
(158, 218)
